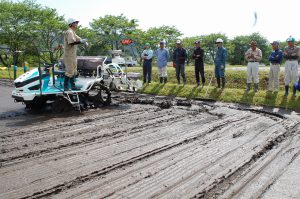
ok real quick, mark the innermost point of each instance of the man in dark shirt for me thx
(275, 58)
(198, 55)
(179, 57)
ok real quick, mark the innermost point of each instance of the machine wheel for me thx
(105, 95)
(99, 95)
(61, 105)
(36, 104)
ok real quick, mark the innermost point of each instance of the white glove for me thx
(222, 67)
(83, 41)
(86, 44)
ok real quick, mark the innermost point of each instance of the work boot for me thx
(66, 83)
(165, 80)
(294, 91)
(161, 79)
(73, 87)
(248, 87)
(286, 91)
(255, 88)
(218, 82)
(223, 82)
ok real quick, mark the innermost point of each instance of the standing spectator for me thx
(162, 55)
(220, 62)
(71, 39)
(275, 58)
(253, 55)
(147, 64)
(291, 54)
(179, 57)
(198, 55)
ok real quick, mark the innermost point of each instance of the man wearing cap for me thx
(253, 55)
(162, 55)
(71, 39)
(198, 55)
(147, 64)
(220, 61)
(275, 60)
(291, 54)
(179, 57)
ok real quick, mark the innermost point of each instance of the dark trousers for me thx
(199, 68)
(147, 70)
(180, 69)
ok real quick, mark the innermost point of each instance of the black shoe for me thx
(161, 79)
(223, 82)
(286, 91)
(218, 83)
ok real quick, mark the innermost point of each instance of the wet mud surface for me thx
(149, 147)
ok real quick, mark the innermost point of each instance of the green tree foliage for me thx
(156, 34)
(240, 44)
(113, 28)
(27, 26)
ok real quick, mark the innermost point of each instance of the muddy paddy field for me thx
(145, 146)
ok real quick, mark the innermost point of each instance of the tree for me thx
(113, 28)
(240, 44)
(209, 46)
(26, 26)
(156, 34)
(15, 26)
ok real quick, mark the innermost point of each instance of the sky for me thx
(276, 19)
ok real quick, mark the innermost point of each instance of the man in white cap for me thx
(179, 57)
(71, 39)
(162, 55)
(220, 62)
(291, 54)
(253, 55)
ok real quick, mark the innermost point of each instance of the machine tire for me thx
(99, 95)
(36, 104)
(105, 95)
(60, 105)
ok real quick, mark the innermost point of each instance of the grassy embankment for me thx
(234, 91)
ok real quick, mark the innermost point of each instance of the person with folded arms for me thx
(253, 55)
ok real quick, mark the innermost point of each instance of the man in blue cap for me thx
(162, 55)
(275, 58)
(147, 64)
(291, 54)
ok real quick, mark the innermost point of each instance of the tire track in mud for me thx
(255, 178)
(124, 194)
(94, 174)
(151, 152)
(78, 126)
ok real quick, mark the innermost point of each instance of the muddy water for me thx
(151, 147)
